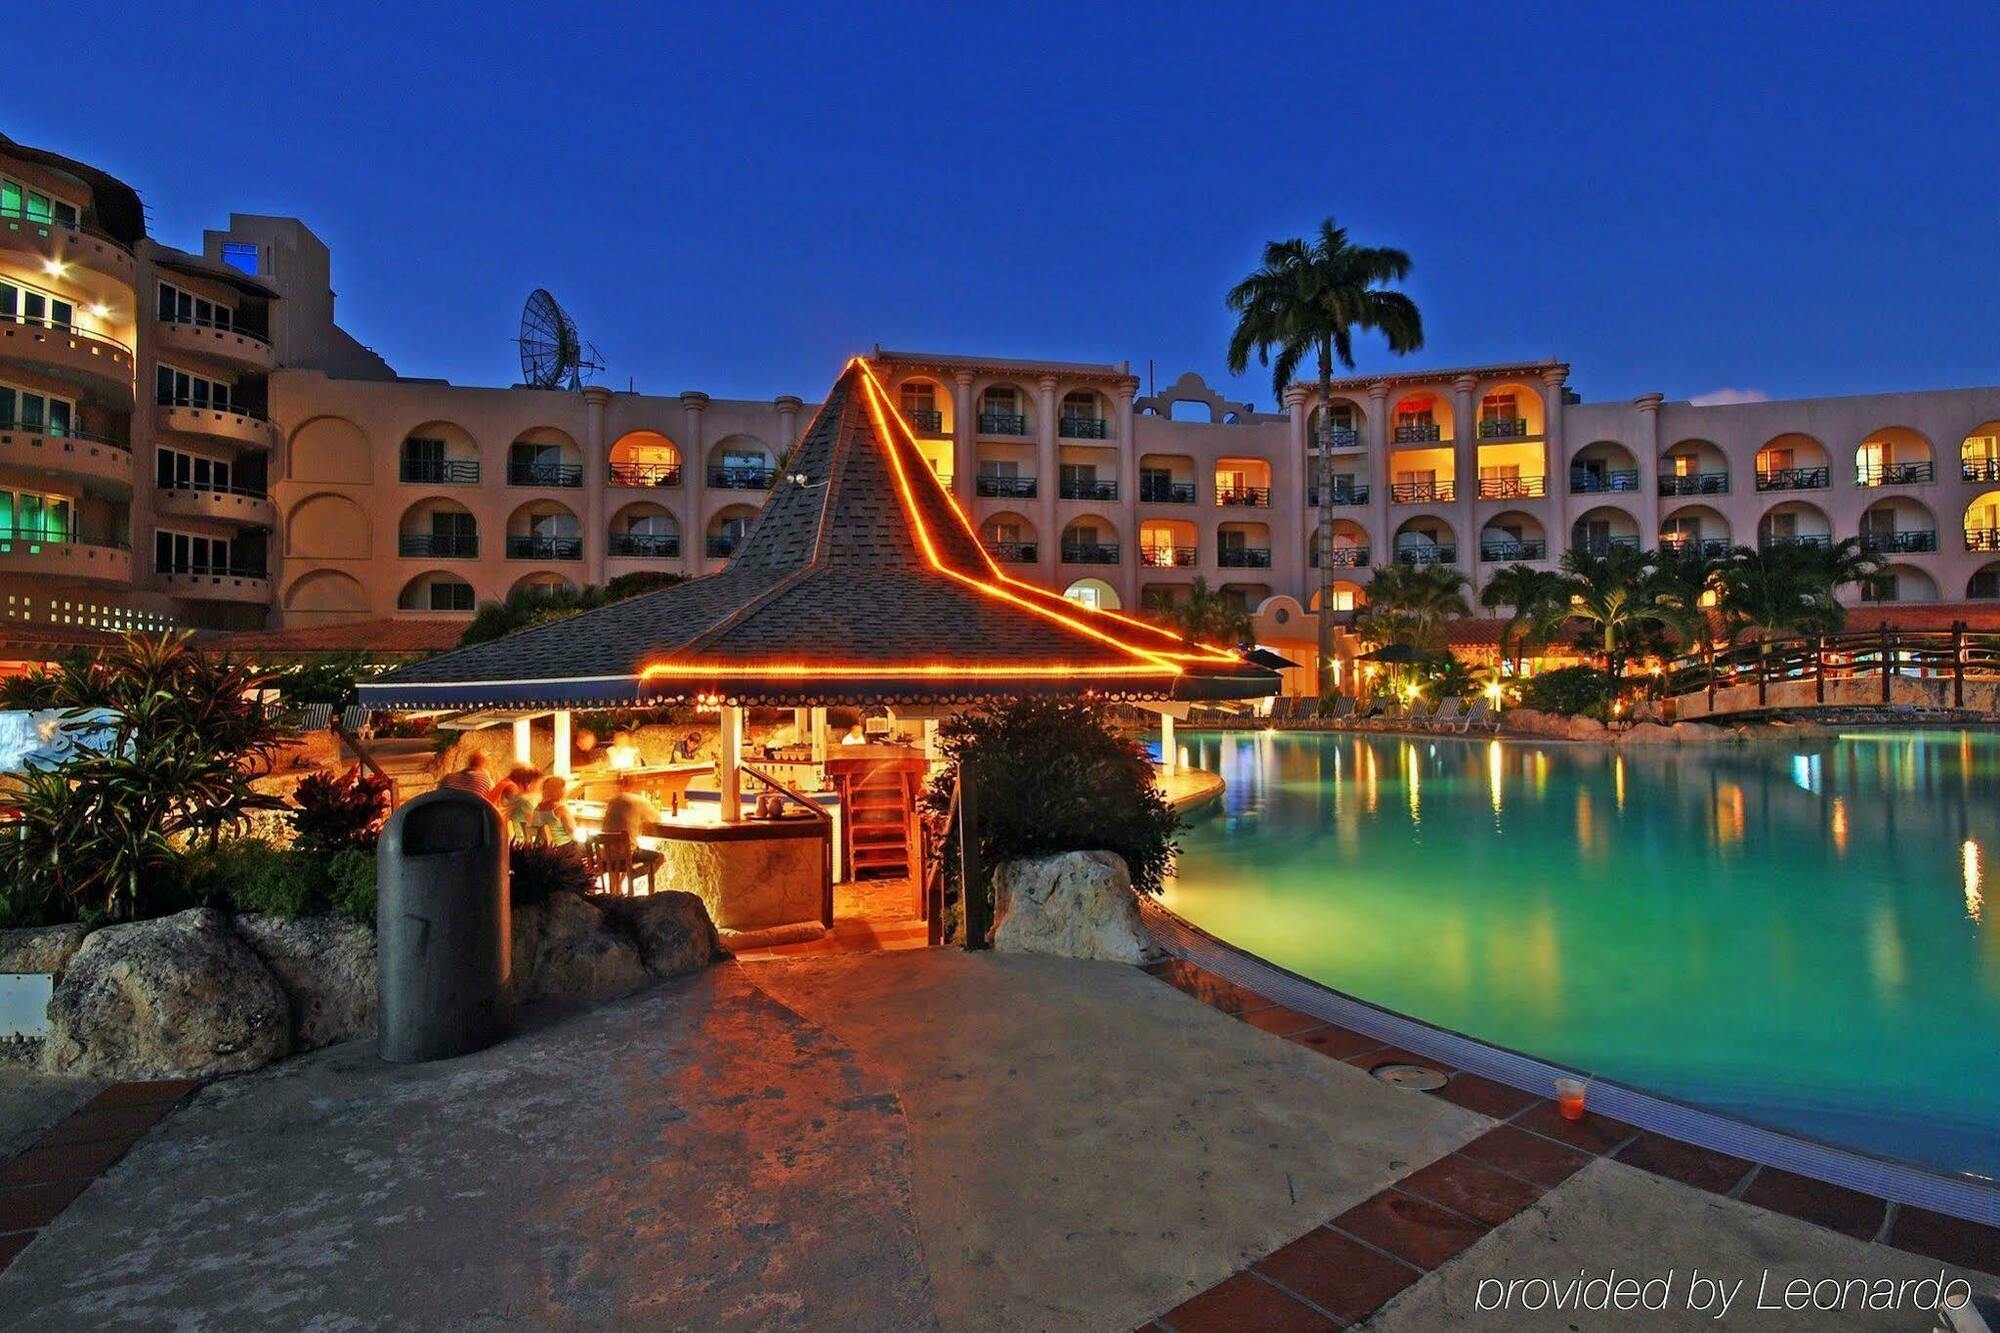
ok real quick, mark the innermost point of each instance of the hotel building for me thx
(190, 439)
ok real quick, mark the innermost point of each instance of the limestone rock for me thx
(327, 966)
(673, 930)
(1649, 733)
(1073, 905)
(40, 948)
(182, 996)
(566, 949)
(1551, 726)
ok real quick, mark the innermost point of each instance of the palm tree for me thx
(1411, 604)
(1311, 296)
(1616, 591)
(1538, 602)
(1207, 616)
(1791, 589)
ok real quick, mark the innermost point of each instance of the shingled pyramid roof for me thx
(860, 580)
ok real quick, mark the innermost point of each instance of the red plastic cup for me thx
(1569, 1097)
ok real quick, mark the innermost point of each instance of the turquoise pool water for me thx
(1798, 934)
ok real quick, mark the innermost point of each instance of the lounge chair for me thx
(1447, 715)
(1340, 714)
(1479, 717)
(1419, 715)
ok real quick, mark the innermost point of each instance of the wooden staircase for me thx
(880, 808)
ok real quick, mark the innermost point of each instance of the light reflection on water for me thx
(1794, 933)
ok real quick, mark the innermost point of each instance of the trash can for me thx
(442, 945)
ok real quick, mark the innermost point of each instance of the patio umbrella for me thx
(1264, 657)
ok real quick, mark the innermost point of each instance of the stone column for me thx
(728, 768)
(559, 762)
(788, 426)
(596, 481)
(1381, 475)
(817, 720)
(1294, 521)
(694, 478)
(964, 441)
(1047, 473)
(1128, 494)
(524, 740)
(1646, 448)
(1465, 464)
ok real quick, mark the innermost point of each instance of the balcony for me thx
(88, 360)
(1896, 474)
(98, 558)
(228, 504)
(1002, 423)
(1507, 551)
(534, 547)
(1770, 541)
(645, 474)
(1163, 556)
(1004, 488)
(1504, 428)
(925, 422)
(1909, 541)
(1341, 557)
(646, 545)
(1711, 548)
(241, 582)
(1423, 492)
(1603, 546)
(742, 478)
(1512, 488)
(1090, 553)
(1426, 434)
(98, 458)
(1428, 553)
(1244, 557)
(1342, 496)
(438, 545)
(47, 241)
(563, 476)
(216, 342)
(1166, 492)
(440, 471)
(1695, 483)
(238, 425)
(1243, 497)
(1979, 469)
(1339, 437)
(1982, 539)
(1794, 479)
(1084, 428)
(722, 545)
(1075, 489)
(1606, 483)
(1014, 553)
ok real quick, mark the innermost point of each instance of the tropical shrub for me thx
(536, 870)
(1577, 691)
(246, 875)
(340, 812)
(327, 680)
(1053, 776)
(524, 608)
(175, 740)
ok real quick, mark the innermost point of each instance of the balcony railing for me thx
(214, 488)
(1714, 548)
(1341, 557)
(73, 330)
(1525, 549)
(646, 545)
(1503, 428)
(742, 478)
(1512, 488)
(1090, 553)
(1896, 474)
(1002, 423)
(1695, 483)
(1161, 556)
(1793, 479)
(1603, 483)
(1603, 545)
(191, 322)
(722, 545)
(1339, 437)
(233, 408)
(1014, 553)
(645, 474)
(925, 422)
(1075, 489)
(1982, 539)
(1166, 492)
(1246, 497)
(444, 545)
(1429, 434)
(1342, 495)
(1243, 557)
(39, 220)
(1009, 488)
(1084, 428)
(440, 471)
(532, 547)
(40, 426)
(1979, 469)
(203, 569)
(58, 537)
(566, 475)
(1422, 492)
(1767, 541)
(1427, 553)
(1908, 541)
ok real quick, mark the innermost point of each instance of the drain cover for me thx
(1417, 1078)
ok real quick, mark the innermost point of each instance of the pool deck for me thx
(912, 1138)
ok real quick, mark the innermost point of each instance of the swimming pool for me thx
(1794, 933)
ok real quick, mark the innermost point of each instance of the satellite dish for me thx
(552, 355)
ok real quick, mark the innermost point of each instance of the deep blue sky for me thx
(1790, 200)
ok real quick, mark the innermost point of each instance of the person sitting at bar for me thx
(514, 796)
(552, 821)
(630, 813)
(855, 736)
(472, 777)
